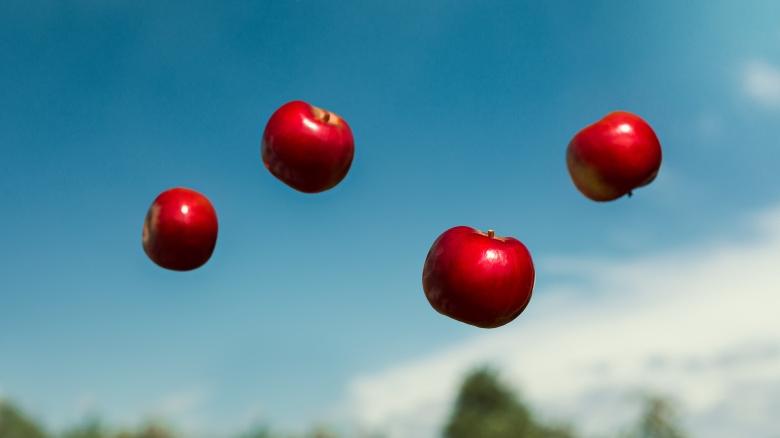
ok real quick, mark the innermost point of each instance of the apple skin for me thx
(614, 156)
(180, 230)
(308, 148)
(478, 278)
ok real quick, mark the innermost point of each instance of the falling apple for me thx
(478, 278)
(306, 147)
(614, 156)
(180, 230)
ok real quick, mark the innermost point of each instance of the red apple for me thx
(614, 156)
(478, 278)
(180, 230)
(308, 148)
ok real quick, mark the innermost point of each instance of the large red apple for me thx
(614, 156)
(180, 230)
(478, 278)
(308, 148)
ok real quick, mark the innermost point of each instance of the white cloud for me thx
(699, 324)
(761, 82)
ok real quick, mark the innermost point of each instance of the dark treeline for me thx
(484, 408)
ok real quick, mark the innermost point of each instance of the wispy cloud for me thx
(699, 324)
(761, 82)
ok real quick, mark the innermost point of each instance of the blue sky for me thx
(461, 113)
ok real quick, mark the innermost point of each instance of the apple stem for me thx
(630, 193)
(326, 117)
(491, 233)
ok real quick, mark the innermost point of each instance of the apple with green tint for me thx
(614, 156)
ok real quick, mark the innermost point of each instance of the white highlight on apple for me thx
(311, 125)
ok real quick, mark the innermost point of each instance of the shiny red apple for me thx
(478, 278)
(614, 156)
(308, 148)
(180, 230)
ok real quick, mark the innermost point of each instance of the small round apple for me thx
(614, 156)
(308, 148)
(478, 278)
(180, 230)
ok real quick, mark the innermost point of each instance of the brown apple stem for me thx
(491, 233)
(320, 114)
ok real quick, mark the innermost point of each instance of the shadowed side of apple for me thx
(614, 156)
(478, 278)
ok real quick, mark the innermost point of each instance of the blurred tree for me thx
(149, 431)
(94, 429)
(89, 429)
(321, 432)
(14, 424)
(486, 408)
(658, 420)
(265, 432)
(259, 432)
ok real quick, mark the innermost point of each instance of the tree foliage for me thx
(94, 429)
(486, 408)
(265, 432)
(89, 429)
(657, 420)
(14, 424)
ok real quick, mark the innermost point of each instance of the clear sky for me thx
(461, 113)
